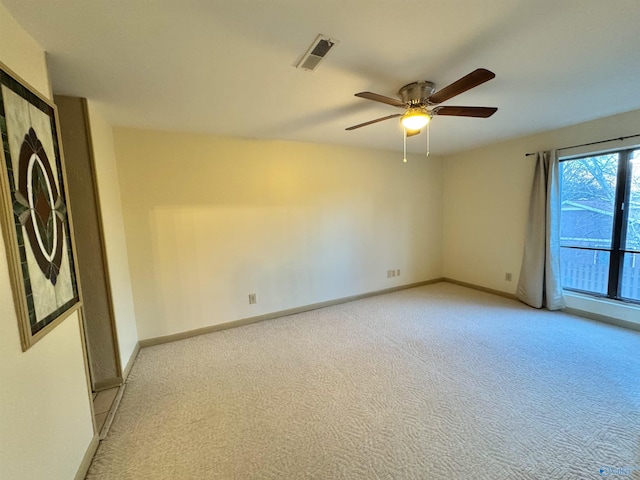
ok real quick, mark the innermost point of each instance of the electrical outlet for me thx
(397, 272)
(252, 299)
(507, 276)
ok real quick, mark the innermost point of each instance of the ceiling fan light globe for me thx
(415, 120)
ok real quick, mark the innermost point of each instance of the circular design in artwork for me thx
(43, 209)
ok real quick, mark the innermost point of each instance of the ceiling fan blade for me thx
(475, 78)
(411, 133)
(396, 115)
(380, 98)
(478, 112)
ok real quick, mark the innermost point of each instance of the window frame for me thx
(616, 251)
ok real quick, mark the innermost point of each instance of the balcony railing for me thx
(594, 278)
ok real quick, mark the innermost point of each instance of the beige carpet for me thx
(436, 382)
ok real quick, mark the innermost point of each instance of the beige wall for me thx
(486, 196)
(210, 220)
(113, 225)
(485, 204)
(45, 416)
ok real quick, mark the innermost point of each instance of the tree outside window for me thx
(600, 224)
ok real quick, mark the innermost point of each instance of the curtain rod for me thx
(618, 139)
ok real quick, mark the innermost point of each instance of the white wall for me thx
(45, 416)
(114, 236)
(486, 198)
(210, 220)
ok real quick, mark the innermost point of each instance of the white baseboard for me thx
(480, 288)
(602, 318)
(88, 457)
(573, 311)
(132, 359)
(148, 342)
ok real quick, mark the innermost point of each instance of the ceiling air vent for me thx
(316, 53)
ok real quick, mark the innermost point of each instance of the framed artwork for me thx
(34, 213)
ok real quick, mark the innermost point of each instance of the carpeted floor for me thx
(435, 382)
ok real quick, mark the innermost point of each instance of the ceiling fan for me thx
(420, 102)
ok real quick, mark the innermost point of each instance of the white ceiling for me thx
(226, 67)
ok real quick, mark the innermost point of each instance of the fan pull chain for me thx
(428, 139)
(404, 159)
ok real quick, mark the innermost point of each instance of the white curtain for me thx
(539, 284)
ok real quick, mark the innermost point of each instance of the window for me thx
(600, 224)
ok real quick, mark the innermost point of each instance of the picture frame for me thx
(34, 211)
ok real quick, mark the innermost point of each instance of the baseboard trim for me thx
(573, 311)
(112, 412)
(602, 318)
(282, 313)
(482, 289)
(107, 384)
(83, 469)
(129, 365)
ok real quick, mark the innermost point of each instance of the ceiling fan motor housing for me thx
(418, 100)
(416, 93)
